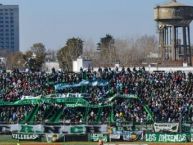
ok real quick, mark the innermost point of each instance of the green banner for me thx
(77, 130)
(68, 101)
(158, 137)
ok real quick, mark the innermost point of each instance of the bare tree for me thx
(16, 60)
(4, 52)
(129, 52)
(51, 55)
(134, 51)
(89, 49)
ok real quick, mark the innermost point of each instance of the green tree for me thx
(107, 50)
(36, 56)
(71, 51)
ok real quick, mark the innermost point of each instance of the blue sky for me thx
(54, 21)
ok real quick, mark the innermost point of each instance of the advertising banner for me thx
(20, 136)
(132, 135)
(127, 135)
(55, 137)
(166, 127)
(158, 137)
(96, 137)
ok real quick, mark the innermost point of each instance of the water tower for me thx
(173, 23)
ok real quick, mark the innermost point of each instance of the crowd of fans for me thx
(161, 96)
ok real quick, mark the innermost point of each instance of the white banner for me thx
(115, 136)
(166, 127)
(21, 128)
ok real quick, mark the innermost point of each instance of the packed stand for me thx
(166, 96)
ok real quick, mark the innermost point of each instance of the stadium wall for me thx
(152, 69)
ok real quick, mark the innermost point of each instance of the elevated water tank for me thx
(173, 23)
(173, 13)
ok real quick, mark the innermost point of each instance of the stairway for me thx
(31, 115)
(57, 115)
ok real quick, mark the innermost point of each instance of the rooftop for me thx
(172, 3)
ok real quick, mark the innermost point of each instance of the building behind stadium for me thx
(9, 27)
